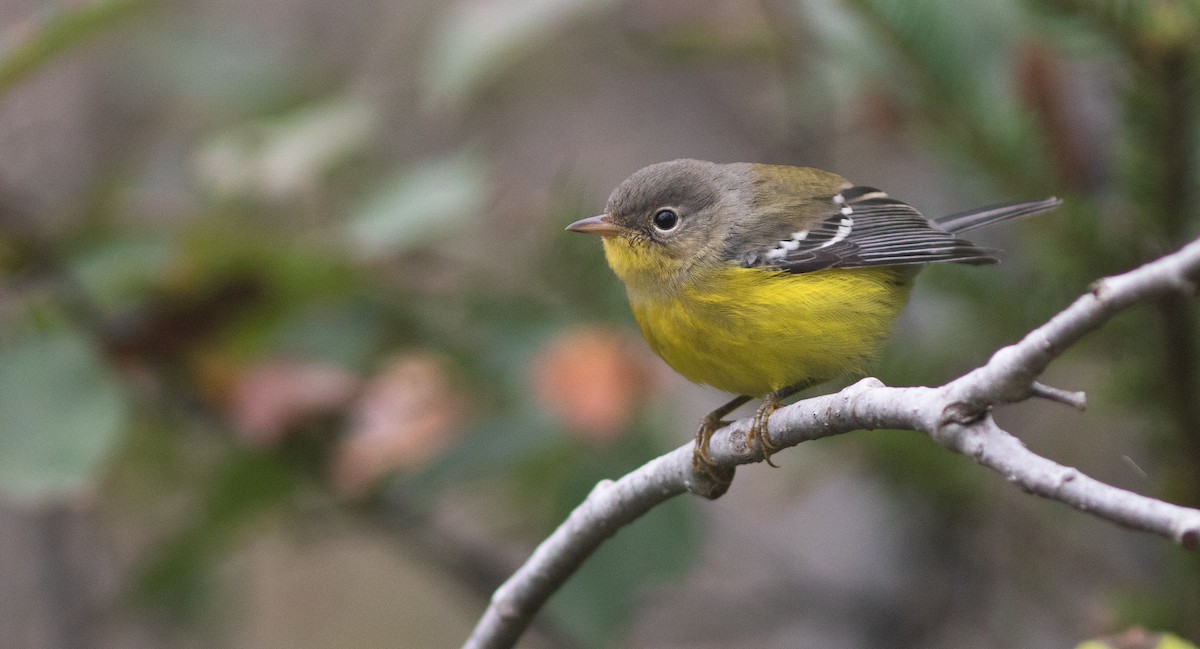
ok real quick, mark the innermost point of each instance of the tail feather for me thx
(983, 216)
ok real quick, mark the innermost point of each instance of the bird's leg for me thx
(709, 425)
(758, 429)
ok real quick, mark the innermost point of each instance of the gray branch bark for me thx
(957, 415)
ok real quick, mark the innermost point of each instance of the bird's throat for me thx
(647, 270)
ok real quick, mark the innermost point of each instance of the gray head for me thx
(678, 205)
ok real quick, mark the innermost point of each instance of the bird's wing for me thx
(857, 227)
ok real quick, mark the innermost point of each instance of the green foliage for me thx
(61, 414)
(120, 271)
(419, 206)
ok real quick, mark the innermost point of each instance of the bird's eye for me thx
(666, 219)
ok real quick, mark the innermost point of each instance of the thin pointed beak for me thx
(599, 225)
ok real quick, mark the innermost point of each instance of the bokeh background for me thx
(294, 351)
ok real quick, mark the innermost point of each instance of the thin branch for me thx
(1074, 399)
(956, 415)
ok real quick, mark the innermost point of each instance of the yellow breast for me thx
(752, 331)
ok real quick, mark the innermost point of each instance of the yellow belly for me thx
(750, 331)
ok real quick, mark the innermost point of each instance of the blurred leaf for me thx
(592, 380)
(117, 271)
(407, 415)
(274, 396)
(419, 206)
(481, 38)
(26, 47)
(61, 412)
(287, 156)
(343, 331)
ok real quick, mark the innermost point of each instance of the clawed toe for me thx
(758, 430)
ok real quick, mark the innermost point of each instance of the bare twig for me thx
(956, 415)
(1077, 400)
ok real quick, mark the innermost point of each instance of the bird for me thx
(764, 280)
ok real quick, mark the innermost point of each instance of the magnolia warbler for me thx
(763, 280)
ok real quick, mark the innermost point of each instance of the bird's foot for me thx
(714, 479)
(701, 460)
(758, 428)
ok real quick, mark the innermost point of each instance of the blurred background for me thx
(294, 351)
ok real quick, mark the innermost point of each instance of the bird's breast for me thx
(753, 331)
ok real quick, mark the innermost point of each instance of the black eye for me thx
(666, 219)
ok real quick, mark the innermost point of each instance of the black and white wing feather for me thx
(866, 227)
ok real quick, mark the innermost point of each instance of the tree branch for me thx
(957, 415)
